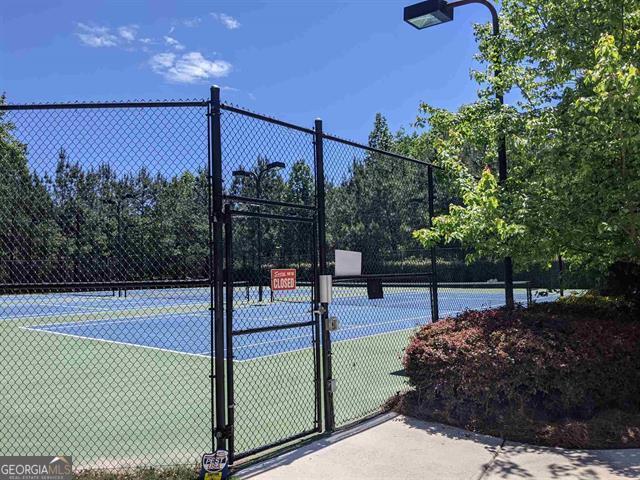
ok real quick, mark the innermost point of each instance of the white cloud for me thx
(227, 20)
(172, 42)
(191, 22)
(128, 32)
(162, 61)
(191, 67)
(96, 36)
(146, 40)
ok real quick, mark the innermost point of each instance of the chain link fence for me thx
(138, 245)
(103, 254)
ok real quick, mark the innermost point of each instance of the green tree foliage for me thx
(379, 203)
(27, 230)
(573, 139)
(84, 221)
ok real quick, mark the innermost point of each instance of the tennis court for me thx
(146, 356)
(126, 377)
(141, 322)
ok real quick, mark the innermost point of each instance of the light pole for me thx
(257, 177)
(434, 12)
(120, 198)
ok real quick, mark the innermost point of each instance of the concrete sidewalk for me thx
(397, 447)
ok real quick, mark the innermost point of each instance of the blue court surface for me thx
(185, 327)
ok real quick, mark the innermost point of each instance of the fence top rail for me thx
(89, 105)
(204, 103)
(377, 150)
(258, 116)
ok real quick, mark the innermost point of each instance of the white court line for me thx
(89, 310)
(208, 354)
(115, 342)
(55, 314)
(135, 318)
(365, 325)
(235, 348)
(333, 341)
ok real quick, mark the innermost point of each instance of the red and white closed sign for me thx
(283, 279)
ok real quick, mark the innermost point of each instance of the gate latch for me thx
(332, 324)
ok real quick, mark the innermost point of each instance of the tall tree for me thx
(573, 138)
(28, 235)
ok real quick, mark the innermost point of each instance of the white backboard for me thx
(348, 263)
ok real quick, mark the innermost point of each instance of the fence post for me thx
(327, 378)
(435, 313)
(228, 280)
(218, 259)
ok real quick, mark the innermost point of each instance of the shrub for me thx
(565, 360)
(623, 279)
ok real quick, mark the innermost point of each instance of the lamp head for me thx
(241, 173)
(275, 165)
(428, 13)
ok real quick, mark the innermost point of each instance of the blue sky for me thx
(296, 60)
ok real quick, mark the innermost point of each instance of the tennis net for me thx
(402, 294)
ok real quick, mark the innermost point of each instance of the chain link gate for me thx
(268, 352)
(272, 343)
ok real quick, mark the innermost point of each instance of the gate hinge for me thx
(224, 432)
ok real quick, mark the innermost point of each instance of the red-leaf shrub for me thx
(560, 361)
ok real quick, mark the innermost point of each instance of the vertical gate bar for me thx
(316, 327)
(322, 253)
(210, 278)
(216, 154)
(228, 279)
(435, 312)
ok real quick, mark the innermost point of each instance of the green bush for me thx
(571, 359)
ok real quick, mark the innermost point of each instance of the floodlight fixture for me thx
(428, 13)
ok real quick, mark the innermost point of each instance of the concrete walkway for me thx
(397, 447)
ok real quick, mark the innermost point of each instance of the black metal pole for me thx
(316, 328)
(218, 249)
(560, 274)
(258, 195)
(322, 257)
(435, 312)
(228, 253)
(502, 151)
(210, 274)
(502, 145)
(119, 241)
(502, 178)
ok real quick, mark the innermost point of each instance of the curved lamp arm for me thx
(489, 5)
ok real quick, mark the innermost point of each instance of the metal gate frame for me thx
(223, 417)
(231, 332)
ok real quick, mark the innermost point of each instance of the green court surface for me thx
(109, 405)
